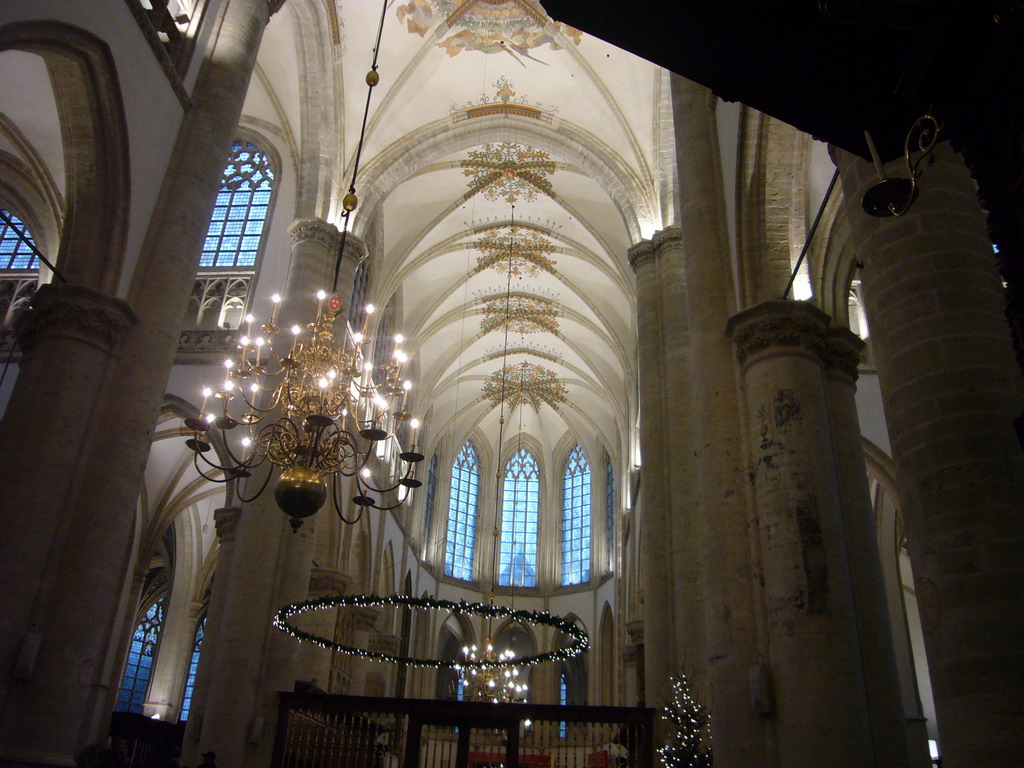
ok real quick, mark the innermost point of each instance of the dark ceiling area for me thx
(833, 68)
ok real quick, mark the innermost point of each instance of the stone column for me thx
(729, 557)
(881, 679)
(655, 532)
(226, 522)
(814, 647)
(684, 512)
(70, 339)
(364, 623)
(951, 392)
(65, 704)
(315, 662)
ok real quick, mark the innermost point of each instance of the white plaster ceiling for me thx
(593, 100)
(28, 109)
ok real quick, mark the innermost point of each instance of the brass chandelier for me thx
(315, 411)
(497, 684)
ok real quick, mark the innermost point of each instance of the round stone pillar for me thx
(881, 679)
(820, 710)
(70, 338)
(363, 625)
(951, 391)
(655, 564)
(734, 644)
(314, 661)
(226, 522)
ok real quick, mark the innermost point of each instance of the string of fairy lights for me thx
(578, 640)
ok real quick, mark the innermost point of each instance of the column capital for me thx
(668, 238)
(314, 229)
(843, 353)
(75, 312)
(355, 249)
(774, 324)
(365, 617)
(326, 581)
(642, 254)
(226, 520)
(382, 643)
(635, 630)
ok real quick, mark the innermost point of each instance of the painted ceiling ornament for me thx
(524, 312)
(504, 101)
(524, 255)
(508, 172)
(527, 383)
(523, 348)
(514, 27)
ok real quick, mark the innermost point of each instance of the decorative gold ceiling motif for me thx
(522, 311)
(526, 254)
(505, 101)
(514, 27)
(527, 383)
(508, 172)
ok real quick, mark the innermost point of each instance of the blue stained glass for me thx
(243, 204)
(193, 665)
(141, 655)
(563, 699)
(609, 473)
(517, 561)
(461, 539)
(16, 244)
(576, 519)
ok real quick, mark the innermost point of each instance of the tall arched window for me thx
(609, 509)
(576, 519)
(141, 655)
(193, 665)
(231, 249)
(517, 563)
(458, 551)
(18, 258)
(16, 244)
(428, 502)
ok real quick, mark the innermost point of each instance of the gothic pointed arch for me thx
(95, 139)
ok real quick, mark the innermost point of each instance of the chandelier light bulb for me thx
(367, 367)
(276, 298)
(260, 341)
(365, 472)
(229, 364)
(415, 423)
(406, 385)
(244, 341)
(249, 319)
(399, 338)
(228, 385)
(332, 374)
(401, 356)
(207, 391)
(321, 295)
(296, 330)
(370, 309)
(357, 337)
(323, 383)
(246, 442)
(254, 387)
(210, 417)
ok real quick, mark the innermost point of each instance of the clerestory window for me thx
(517, 563)
(141, 657)
(462, 509)
(576, 519)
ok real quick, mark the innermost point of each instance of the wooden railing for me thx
(322, 731)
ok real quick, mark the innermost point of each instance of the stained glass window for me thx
(428, 504)
(458, 552)
(141, 655)
(609, 509)
(576, 519)
(517, 562)
(240, 213)
(16, 244)
(193, 665)
(563, 699)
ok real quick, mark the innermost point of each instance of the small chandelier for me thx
(497, 684)
(315, 412)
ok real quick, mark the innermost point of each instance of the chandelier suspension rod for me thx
(372, 78)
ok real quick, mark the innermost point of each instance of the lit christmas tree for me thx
(689, 720)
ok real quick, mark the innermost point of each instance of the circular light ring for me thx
(580, 643)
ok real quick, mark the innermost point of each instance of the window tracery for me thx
(141, 657)
(517, 562)
(576, 519)
(193, 665)
(462, 512)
